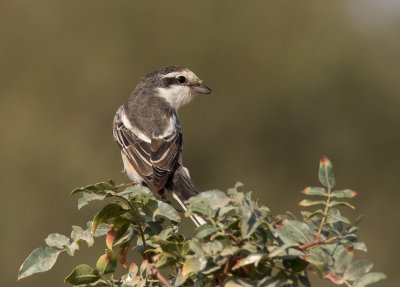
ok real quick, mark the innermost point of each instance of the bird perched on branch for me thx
(147, 130)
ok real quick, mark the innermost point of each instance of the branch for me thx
(327, 205)
(160, 277)
(136, 214)
(317, 241)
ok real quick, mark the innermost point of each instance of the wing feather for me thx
(154, 161)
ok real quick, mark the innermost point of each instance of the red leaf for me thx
(325, 160)
(334, 278)
(122, 256)
(110, 237)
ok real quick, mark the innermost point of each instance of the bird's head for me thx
(176, 85)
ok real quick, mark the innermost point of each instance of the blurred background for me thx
(293, 80)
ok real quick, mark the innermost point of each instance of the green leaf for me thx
(193, 264)
(122, 231)
(87, 197)
(107, 263)
(307, 215)
(135, 190)
(205, 230)
(72, 248)
(251, 248)
(165, 210)
(57, 240)
(325, 173)
(78, 235)
(272, 282)
(96, 188)
(130, 234)
(346, 193)
(212, 247)
(40, 260)
(315, 191)
(235, 188)
(167, 245)
(101, 229)
(155, 227)
(335, 216)
(206, 199)
(307, 202)
(294, 232)
(250, 259)
(280, 251)
(179, 279)
(356, 269)
(166, 259)
(249, 222)
(369, 278)
(144, 267)
(355, 242)
(133, 270)
(335, 203)
(304, 280)
(82, 274)
(358, 219)
(343, 258)
(111, 210)
(318, 258)
(229, 250)
(234, 281)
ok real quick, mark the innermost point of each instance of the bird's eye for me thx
(181, 80)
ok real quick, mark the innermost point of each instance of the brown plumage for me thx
(148, 132)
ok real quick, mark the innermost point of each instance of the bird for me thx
(148, 132)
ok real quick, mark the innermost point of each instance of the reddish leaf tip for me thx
(334, 278)
(122, 256)
(324, 160)
(237, 265)
(305, 191)
(110, 237)
(133, 266)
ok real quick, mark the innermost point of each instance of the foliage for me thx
(242, 244)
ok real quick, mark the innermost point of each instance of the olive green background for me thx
(293, 80)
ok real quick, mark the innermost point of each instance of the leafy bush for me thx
(243, 243)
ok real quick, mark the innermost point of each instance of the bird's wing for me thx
(164, 156)
(154, 161)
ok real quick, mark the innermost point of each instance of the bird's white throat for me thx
(176, 95)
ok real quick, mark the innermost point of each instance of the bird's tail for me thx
(182, 189)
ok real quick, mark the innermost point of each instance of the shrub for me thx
(242, 244)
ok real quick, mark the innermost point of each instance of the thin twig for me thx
(136, 214)
(347, 283)
(160, 277)
(317, 241)
(226, 272)
(327, 204)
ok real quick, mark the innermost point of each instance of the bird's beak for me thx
(201, 89)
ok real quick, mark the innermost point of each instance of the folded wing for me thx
(154, 161)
